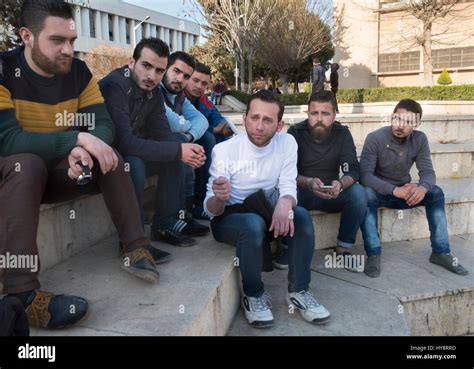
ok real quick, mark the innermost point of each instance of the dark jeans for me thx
(26, 182)
(207, 141)
(352, 203)
(434, 205)
(169, 195)
(247, 231)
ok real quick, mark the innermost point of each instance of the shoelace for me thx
(309, 299)
(261, 303)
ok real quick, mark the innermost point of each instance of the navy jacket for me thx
(141, 125)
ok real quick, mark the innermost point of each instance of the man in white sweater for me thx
(263, 159)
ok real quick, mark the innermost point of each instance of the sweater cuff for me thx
(387, 189)
(65, 142)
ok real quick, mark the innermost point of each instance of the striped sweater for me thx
(38, 114)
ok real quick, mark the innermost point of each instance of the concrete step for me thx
(197, 294)
(401, 225)
(410, 297)
(438, 128)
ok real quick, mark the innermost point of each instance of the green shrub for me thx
(444, 78)
(352, 95)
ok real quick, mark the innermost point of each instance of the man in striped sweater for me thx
(52, 117)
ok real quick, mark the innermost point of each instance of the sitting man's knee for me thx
(371, 195)
(254, 226)
(358, 194)
(303, 221)
(30, 166)
(436, 193)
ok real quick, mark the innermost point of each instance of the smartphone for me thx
(328, 187)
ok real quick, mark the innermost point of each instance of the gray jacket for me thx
(386, 161)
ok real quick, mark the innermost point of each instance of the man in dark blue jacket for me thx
(144, 138)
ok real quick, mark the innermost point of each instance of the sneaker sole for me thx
(164, 260)
(262, 325)
(142, 274)
(320, 321)
(280, 266)
(160, 239)
(199, 234)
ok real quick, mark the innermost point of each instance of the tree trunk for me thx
(284, 83)
(242, 74)
(249, 88)
(427, 61)
(296, 88)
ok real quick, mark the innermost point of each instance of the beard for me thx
(320, 132)
(61, 65)
(172, 87)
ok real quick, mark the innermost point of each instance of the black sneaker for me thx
(199, 213)
(190, 227)
(159, 256)
(448, 261)
(172, 237)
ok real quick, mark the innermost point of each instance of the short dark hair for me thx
(156, 45)
(33, 13)
(184, 57)
(202, 68)
(316, 59)
(268, 97)
(410, 105)
(322, 97)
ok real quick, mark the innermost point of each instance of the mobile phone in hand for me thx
(327, 187)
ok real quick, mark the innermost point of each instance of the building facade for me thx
(376, 44)
(116, 23)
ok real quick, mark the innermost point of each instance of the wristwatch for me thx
(342, 185)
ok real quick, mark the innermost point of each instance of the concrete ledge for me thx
(400, 225)
(67, 228)
(198, 292)
(363, 306)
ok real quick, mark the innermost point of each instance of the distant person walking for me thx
(318, 76)
(334, 81)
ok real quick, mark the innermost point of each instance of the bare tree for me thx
(427, 15)
(294, 31)
(103, 59)
(237, 23)
(9, 24)
(428, 12)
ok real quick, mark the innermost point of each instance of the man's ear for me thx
(27, 37)
(280, 126)
(131, 62)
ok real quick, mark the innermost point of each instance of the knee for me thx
(358, 195)
(30, 168)
(303, 222)
(372, 199)
(435, 194)
(254, 228)
(208, 141)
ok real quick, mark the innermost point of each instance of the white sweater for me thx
(250, 168)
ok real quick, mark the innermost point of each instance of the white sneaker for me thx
(309, 308)
(257, 310)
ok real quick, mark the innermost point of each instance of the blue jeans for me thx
(207, 141)
(247, 232)
(434, 205)
(169, 197)
(352, 203)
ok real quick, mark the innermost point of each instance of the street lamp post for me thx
(135, 29)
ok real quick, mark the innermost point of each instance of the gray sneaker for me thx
(372, 266)
(448, 261)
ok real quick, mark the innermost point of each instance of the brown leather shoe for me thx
(47, 310)
(140, 263)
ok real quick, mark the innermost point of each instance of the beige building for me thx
(376, 44)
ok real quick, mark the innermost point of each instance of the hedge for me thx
(352, 95)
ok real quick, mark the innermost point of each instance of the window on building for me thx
(456, 57)
(399, 62)
(127, 31)
(92, 23)
(143, 30)
(111, 27)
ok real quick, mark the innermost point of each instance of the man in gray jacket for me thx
(387, 157)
